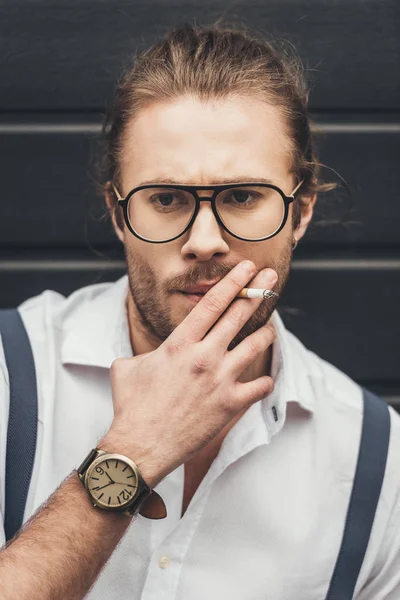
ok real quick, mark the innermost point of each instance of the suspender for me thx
(22, 420)
(21, 443)
(370, 470)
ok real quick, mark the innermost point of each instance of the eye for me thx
(241, 196)
(165, 199)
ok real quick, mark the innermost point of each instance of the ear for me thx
(307, 210)
(113, 208)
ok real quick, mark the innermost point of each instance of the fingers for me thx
(210, 308)
(238, 359)
(240, 311)
(251, 392)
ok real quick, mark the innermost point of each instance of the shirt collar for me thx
(266, 418)
(290, 371)
(94, 326)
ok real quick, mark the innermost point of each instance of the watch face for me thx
(112, 482)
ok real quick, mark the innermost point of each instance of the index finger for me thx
(214, 303)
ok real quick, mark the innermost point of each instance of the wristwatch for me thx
(113, 482)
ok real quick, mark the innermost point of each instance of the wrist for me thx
(114, 442)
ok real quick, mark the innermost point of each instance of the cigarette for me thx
(257, 293)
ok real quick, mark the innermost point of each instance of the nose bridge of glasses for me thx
(205, 195)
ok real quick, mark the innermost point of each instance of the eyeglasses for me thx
(161, 213)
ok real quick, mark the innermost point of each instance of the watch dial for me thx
(112, 483)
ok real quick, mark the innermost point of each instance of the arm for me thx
(61, 550)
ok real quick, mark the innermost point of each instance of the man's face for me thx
(190, 142)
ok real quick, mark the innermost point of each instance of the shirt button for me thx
(163, 562)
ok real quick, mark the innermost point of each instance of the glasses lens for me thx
(158, 214)
(251, 212)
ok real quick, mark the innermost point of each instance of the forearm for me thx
(62, 549)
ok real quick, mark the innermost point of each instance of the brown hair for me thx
(211, 63)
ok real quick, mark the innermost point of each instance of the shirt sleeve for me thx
(384, 582)
(4, 408)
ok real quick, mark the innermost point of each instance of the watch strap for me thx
(93, 454)
(153, 507)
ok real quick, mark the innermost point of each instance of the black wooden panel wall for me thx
(58, 62)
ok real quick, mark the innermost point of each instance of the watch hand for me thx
(109, 477)
(120, 482)
(104, 486)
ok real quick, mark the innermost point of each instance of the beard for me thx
(150, 296)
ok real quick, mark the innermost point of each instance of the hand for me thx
(169, 403)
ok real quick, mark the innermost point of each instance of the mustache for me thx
(199, 272)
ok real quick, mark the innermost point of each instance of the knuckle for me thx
(229, 403)
(235, 315)
(213, 303)
(254, 347)
(173, 347)
(269, 334)
(201, 364)
(235, 281)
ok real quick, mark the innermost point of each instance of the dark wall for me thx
(58, 63)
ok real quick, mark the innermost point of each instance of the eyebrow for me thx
(243, 179)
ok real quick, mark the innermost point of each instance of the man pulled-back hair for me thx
(189, 446)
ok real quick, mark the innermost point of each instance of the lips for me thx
(198, 289)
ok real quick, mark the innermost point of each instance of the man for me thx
(249, 440)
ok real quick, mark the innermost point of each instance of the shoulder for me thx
(314, 383)
(334, 399)
(48, 317)
(52, 310)
(325, 386)
(337, 403)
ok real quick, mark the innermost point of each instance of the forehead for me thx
(205, 142)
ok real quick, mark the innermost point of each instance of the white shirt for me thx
(268, 518)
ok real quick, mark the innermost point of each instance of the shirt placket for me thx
(169, 552)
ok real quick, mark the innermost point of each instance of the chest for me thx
(194, 475)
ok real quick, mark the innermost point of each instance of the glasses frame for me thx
(216, 189)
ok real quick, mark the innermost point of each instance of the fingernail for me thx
(270, 277)
(248, 266)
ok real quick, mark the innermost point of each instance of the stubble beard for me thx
(151, 297)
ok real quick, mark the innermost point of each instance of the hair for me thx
(209, 63)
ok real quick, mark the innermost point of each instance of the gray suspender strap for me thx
(370, 470)
(22, 422)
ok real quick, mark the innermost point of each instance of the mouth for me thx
(191, 296)
(198, 290)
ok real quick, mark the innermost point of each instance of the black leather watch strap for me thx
(88, 460)
(144, 492)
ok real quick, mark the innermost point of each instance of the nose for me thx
(205, 237)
